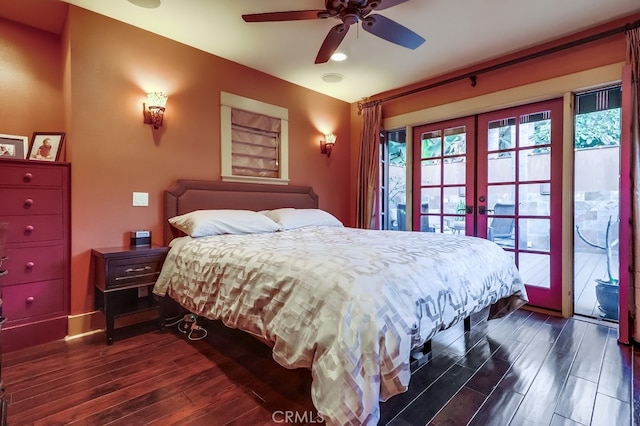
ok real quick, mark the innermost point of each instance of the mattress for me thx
(348, 304)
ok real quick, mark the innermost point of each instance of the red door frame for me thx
(539, 296)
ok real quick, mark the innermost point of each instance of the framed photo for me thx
(12, 146)
(46, 146)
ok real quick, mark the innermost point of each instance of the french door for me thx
(443, 176)
(498, 176)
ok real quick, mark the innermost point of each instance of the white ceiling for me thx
(459, 33)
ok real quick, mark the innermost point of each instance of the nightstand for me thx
(123, 278)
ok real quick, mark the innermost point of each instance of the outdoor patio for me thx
(588, 267)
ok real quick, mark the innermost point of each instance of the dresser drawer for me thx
(24, 229)
(30, 175)
(125, 272)
(34, 264)
(30, 201)
(32, 300)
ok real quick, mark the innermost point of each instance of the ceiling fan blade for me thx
(331, 43)
(386, 4)
(391, 31)
(293, 15)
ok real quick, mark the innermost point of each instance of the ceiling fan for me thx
(349, 12)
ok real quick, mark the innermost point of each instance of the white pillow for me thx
(290, 218)
(202, 223)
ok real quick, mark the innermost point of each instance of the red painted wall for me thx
(30, 80)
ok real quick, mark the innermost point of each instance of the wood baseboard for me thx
(90, 322)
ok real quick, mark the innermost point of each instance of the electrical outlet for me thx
(140, 199)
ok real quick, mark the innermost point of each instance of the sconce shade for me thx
(326, 146)
(154, 108)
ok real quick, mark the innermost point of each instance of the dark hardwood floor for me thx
(527, 369)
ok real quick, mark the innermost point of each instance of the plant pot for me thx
(608, 298)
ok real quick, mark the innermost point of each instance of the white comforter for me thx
(349, 304)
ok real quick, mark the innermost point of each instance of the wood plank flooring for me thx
(527, 369)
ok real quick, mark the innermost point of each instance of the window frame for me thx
(229, 101)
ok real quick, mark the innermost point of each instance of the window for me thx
(254, 140)
(393, 180)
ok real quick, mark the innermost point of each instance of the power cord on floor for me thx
(187, 324)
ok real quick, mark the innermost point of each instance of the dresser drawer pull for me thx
(146, 268)
(30, 299)
(28, 202)
(29, 228)
(27, 177)
(30, 265)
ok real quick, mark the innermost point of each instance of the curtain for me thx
(633, 59)
(255, 142)
(368, 166)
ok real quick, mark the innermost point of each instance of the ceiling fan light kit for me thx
(349, 12)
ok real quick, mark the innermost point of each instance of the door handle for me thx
(469, 209)
(482, 210)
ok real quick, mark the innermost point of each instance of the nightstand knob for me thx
(30, 265)
(27, 177)
(28, 202)
(29, 228)
(30, 299)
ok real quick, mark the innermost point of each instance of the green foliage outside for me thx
(600, 128)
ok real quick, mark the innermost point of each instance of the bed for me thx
(349, 304)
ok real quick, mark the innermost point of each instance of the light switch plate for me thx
(141, 199)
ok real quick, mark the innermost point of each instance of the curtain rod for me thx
(473, 75)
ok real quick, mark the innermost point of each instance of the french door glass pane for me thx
(535, 129)
(455, 141)
(534, 234)
(455, 171)
(502, 134)
(501, 167)
(534, 166)
(430, 200)
(535, 199)
(431, 172)
(431, 144)
(453, 200)
(454, 224)
(534, 269)
(500, 194)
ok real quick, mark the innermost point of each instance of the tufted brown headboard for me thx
(189, 195)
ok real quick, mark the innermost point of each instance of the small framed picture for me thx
(46, 146)
(12, 146)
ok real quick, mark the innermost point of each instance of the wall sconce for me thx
(326, 146)
(153, 109)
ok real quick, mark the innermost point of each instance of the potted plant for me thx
(607, 291)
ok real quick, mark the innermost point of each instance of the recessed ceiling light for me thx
(332, 78)
(338, 56)
(147, 4)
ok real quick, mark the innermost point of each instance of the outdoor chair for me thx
(501, 229)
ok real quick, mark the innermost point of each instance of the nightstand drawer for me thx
(20, 201)
(26, 228)
(125, 272)
(30, 175)
(32, 300)
(34, 264)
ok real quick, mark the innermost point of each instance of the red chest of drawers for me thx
(35, 202)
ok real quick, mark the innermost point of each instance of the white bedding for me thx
(349, 304)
